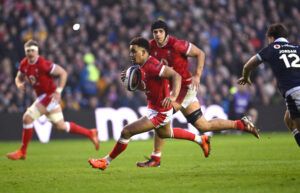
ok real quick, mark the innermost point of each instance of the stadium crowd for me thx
(229, 32)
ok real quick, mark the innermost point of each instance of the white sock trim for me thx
(28, 126)
(108, 159)
(123, 141)
(68, 126)
(172, 133)
(198, 139)
(156, 154)
(295, 132)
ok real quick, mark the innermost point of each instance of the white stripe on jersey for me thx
(258, 57)
(52, 69)
(292, 90)
(189, 48)
(161, 70)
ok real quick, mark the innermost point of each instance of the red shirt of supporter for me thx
(39, 75)
(174, 53)
(157, 88)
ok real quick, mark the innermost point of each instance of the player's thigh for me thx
(140, 126)
(194, 115)
(34, 112)
(191, 108)
(56, 117)
(164, 131)
(41, 108)
(293, 106)
(177, 106)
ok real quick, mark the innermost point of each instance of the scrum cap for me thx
(160, 24)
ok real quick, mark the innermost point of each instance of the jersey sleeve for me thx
(182, 46)
(263, 54)
(155, 69)
(47, 66)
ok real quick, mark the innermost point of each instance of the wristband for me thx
(59, 90)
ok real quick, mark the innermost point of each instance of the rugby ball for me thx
(132, 78)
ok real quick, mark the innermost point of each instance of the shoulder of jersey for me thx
(153, 60)
(151, 41)
(23, 61)
(172, 39)
(41, 58)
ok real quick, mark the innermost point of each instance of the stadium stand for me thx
(229, 32)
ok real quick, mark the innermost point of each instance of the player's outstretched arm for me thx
(175, 80)
(20, 81)
(200, 55)
(62, 74)
(251, 64)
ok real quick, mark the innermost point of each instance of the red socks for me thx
(74, 128)
(183, 134)
(155, 158)
(26, 137)
(117, 150)
(239, 125)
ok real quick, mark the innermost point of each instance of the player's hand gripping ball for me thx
(132, 78)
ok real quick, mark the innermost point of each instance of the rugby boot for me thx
(205, 145)
(154, 161)
(249, 126)
(101, 164)
(16, 155)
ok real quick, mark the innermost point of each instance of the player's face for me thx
(31, 53)
(159, 35)
(137, 54)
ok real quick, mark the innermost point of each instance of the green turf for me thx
(237, 164)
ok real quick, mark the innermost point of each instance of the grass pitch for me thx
(237, 164)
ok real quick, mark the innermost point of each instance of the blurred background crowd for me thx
(229, 32)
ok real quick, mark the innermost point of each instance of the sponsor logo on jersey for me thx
(276, 46)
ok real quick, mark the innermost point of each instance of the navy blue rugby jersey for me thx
(284, 59)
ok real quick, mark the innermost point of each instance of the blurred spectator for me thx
(89, 76)
(228, 31)
(241, 102)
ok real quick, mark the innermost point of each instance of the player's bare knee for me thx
(27, 119)
(61, 126)
(163, 135)
(126, 133)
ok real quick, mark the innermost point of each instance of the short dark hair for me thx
(277, 30)
(141, 42)
(31, 43)
(160, 24)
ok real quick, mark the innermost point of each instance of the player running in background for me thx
(175, 52)
(284, 60)
(40, 73)
(155, 85)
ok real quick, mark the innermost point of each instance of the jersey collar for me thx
(281, 39)
(165, 43)
(146, 60)
(34, 62)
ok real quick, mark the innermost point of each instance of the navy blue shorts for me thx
(293, 104)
